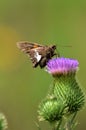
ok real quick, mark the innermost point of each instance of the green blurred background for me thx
(46, 22)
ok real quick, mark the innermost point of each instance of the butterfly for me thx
(39, 54)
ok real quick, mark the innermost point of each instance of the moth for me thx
(39, 54)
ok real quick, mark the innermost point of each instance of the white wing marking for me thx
(37, 56)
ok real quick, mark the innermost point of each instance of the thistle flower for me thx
(66, 90)
(62, 66)
(66, 87)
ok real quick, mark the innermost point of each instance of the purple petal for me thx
(62, 65)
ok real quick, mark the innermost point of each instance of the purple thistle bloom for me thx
(62, 66)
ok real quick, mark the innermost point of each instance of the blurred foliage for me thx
(46, 22)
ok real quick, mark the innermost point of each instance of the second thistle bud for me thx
(51, 110)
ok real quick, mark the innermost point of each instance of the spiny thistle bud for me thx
(3, 122)
(50, 110)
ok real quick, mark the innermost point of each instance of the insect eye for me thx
(54, 47)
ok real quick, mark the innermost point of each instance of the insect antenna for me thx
(61, 45)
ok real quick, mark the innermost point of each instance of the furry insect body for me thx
(39, 54)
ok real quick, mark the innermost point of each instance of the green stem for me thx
(59, 124)
(38, 126)
(70, 123)
(56, 125)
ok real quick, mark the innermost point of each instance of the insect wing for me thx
(33, 50)
(39, 54)
(26, 46)
(36, 55)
